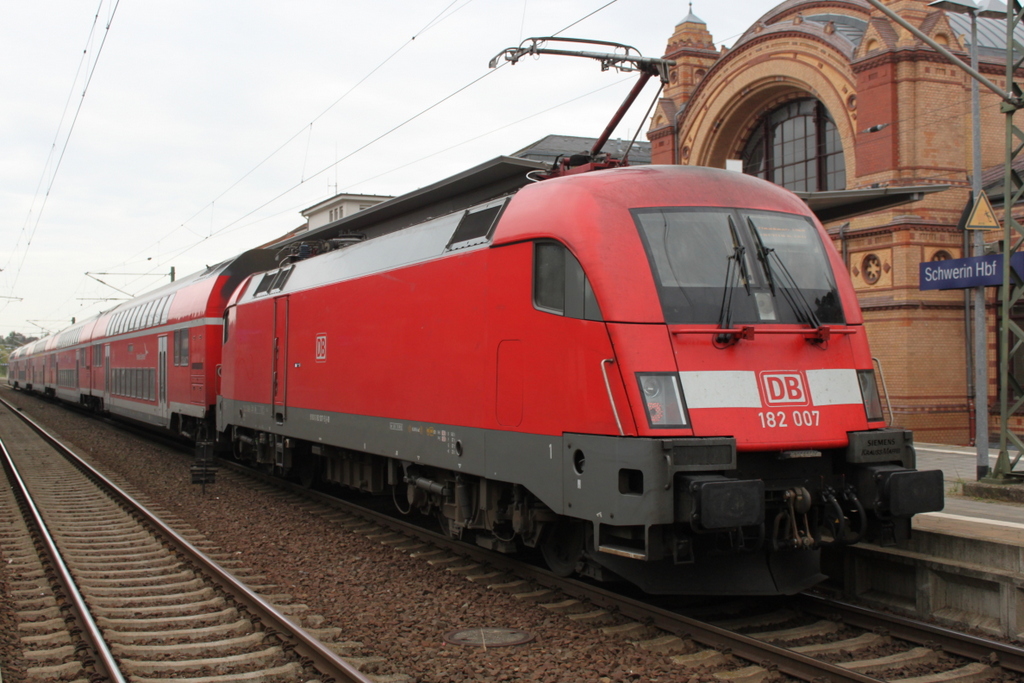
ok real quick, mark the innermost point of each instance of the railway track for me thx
(118, 595)
(812, 638)
(806, 638)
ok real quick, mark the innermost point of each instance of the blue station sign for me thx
(961, 273)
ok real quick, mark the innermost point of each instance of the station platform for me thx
(959, 464)
(963, 566)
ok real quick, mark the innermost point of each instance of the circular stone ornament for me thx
(488, 637)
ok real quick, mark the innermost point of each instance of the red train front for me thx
(655, 373)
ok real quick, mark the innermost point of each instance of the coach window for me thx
(181, 347)
(158, 310)
(560, 285)
(161, 311)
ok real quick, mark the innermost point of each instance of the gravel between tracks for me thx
(398, 607)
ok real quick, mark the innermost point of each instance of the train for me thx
(650, 374)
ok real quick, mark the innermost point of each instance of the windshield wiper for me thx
(736, 266)
(790, 290)
(763, 255)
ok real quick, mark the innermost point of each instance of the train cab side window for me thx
(559, 284)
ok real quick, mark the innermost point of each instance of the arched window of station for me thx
(797, 145)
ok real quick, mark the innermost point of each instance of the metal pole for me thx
(1008, 290)
(980, 339)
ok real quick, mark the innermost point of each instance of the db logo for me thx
(784, 388)
(321, 348)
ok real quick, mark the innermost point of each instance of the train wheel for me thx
(562, 546)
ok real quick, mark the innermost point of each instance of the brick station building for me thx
(825, 95)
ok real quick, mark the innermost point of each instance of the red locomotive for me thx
(653, 373)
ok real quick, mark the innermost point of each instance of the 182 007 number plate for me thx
(792, 418)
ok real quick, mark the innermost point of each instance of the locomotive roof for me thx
(500, 176)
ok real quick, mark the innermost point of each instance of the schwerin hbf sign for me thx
(961, 273)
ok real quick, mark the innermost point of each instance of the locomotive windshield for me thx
(774, 264)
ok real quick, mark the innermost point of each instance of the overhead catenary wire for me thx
(330, 166)
(67, 139)
(437, 19)
(449, 11)
(56, 134)
(376, 139)
(934, 114)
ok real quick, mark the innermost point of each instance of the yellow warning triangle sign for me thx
(982, 215)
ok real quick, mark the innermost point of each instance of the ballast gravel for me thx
(398, 607)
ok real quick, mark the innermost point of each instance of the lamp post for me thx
(990, 9)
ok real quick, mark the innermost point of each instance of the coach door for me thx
(161, 372)
(106, 374)
(280, 379)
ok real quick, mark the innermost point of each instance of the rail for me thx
(325, 659)
(980, 649)
(788, 662)
(91, 631)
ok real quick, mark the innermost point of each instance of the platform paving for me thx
(959, 464)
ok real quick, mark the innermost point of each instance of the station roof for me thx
(835, 205)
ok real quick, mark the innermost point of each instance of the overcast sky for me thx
(207, 126)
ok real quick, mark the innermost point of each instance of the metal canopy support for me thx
(1011, 336)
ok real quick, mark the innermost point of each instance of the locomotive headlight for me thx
(869, 392)
(663, 400)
